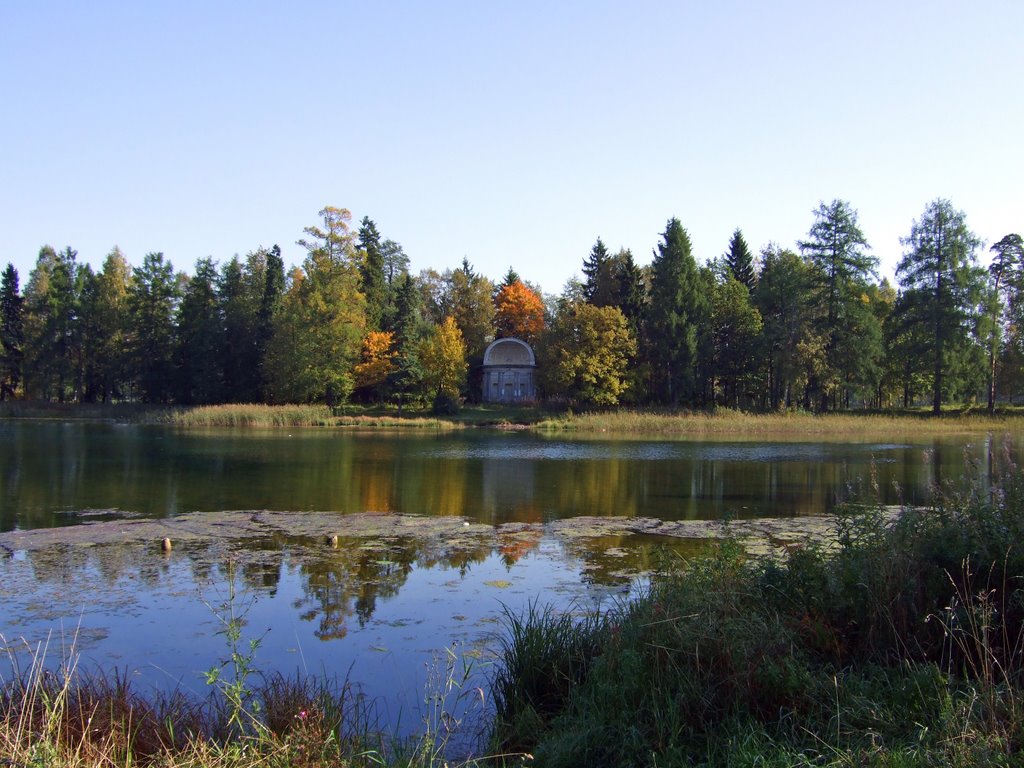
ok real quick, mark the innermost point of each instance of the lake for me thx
(379, 605)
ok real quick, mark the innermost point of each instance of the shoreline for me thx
(627, 422)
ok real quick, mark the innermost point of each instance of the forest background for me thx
(811, 327)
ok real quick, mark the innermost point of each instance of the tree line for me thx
(810, 327)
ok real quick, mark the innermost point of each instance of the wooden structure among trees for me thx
(509, 372)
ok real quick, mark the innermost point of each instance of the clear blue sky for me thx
(513, 134)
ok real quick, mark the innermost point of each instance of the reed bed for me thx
(772, 425)
(257, 415)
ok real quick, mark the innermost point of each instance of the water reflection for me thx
(375, 608)
(48, 470)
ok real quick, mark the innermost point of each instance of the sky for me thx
(510, 134)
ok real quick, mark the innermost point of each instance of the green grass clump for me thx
(896, 643)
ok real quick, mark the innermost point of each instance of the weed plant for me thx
(897, 642)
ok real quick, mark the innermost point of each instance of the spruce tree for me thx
(199, 349)
(372, 282)
(677, 316)
(273, 290)
(632, 298)
(600, 285)
(740, 261)
(12, 333)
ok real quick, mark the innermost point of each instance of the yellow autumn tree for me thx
(586, 354)
(518, 312)
(378, 360)
(443, 359)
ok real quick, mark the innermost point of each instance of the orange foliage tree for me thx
(518, 312)
(378, 360)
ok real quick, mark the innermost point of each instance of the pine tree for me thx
(51, 316)
(942, 286)
(12, 333)
(152, 301)
(1005, 273)
(111, 359)
(740, 261)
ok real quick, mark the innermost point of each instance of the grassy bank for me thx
(898, 644)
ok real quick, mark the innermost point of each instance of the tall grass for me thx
(257, 415)
(66, 718)
(760, 425)
(895, 643)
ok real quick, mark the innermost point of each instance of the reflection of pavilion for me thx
(507, 489)
(509, 372)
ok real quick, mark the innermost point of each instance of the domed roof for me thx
(509, 351)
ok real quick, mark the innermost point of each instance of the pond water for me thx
(380, 607)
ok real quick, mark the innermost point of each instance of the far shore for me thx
(624, 421)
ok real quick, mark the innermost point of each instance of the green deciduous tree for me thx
(783, 298)
(942, 286)
(467, 298)
(319, 327)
